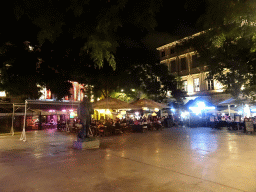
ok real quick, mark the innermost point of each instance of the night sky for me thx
(175, 21)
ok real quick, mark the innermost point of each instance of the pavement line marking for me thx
(178, 172)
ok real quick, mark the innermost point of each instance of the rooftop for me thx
(178, 41)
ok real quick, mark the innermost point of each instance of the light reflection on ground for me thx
(203, 143)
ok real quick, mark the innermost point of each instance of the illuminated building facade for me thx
(46, 112)
(76, 93)
(193, 76)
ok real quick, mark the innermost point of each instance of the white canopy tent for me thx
(228, 111)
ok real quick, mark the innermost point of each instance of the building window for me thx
(48, 94)
(163, 54)
(172, 51)
(210, 84)
(194, 63)
(173, 66)
(185, 86)
(196, 85)
(183, 63)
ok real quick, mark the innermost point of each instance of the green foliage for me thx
(155, 80)
(139, 81)
(69, 41)
(253, 48)
(18, 73)
(218, 41)
(228, 44)
(99, 51)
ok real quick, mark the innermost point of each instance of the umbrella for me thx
(228, 111)
(233, 101)
(149, 104)
(212, 111)
(194, 103)
(112, 103)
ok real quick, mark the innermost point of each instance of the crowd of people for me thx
(129, 121)
(131, 124)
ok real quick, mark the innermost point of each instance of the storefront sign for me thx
(249, 124)
(237, 118)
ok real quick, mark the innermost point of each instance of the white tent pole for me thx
(23, 134)
(229, 110)
(12, 130)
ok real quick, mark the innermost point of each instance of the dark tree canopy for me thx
(67, 38)
(228, 44)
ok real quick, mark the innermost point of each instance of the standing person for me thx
(84, 114)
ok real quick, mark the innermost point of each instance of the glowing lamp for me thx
(2, 94)
(108, 112)
(210, 108)
(156, 109)
(72, 114)
(144, 108)
(123, 112)
(119, 116)
(184, 114)
(154, 114)
(253, 110)
(195, 110)
(247, 110)
(201, 105)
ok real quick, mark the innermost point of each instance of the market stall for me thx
(111, 108)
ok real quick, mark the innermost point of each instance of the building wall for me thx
(77, 93)
(183, 64)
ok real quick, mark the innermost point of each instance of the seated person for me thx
(108, 123)
(131, 122)
(136, 122)
(117, 125)
(93, 123)
(123, 122)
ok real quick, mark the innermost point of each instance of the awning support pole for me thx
(12, 130)
(23, 134)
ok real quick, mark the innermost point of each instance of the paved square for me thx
(175, 159)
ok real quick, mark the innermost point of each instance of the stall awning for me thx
(112, 103)
(194, 103)
(52, 105)
(149, 104)
(233, 101)
(199, 104)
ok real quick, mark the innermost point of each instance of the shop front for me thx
(52, 115)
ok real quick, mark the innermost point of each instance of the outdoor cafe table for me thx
(229, 124)
(97, 129)
(102, 130)
(139, 127)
